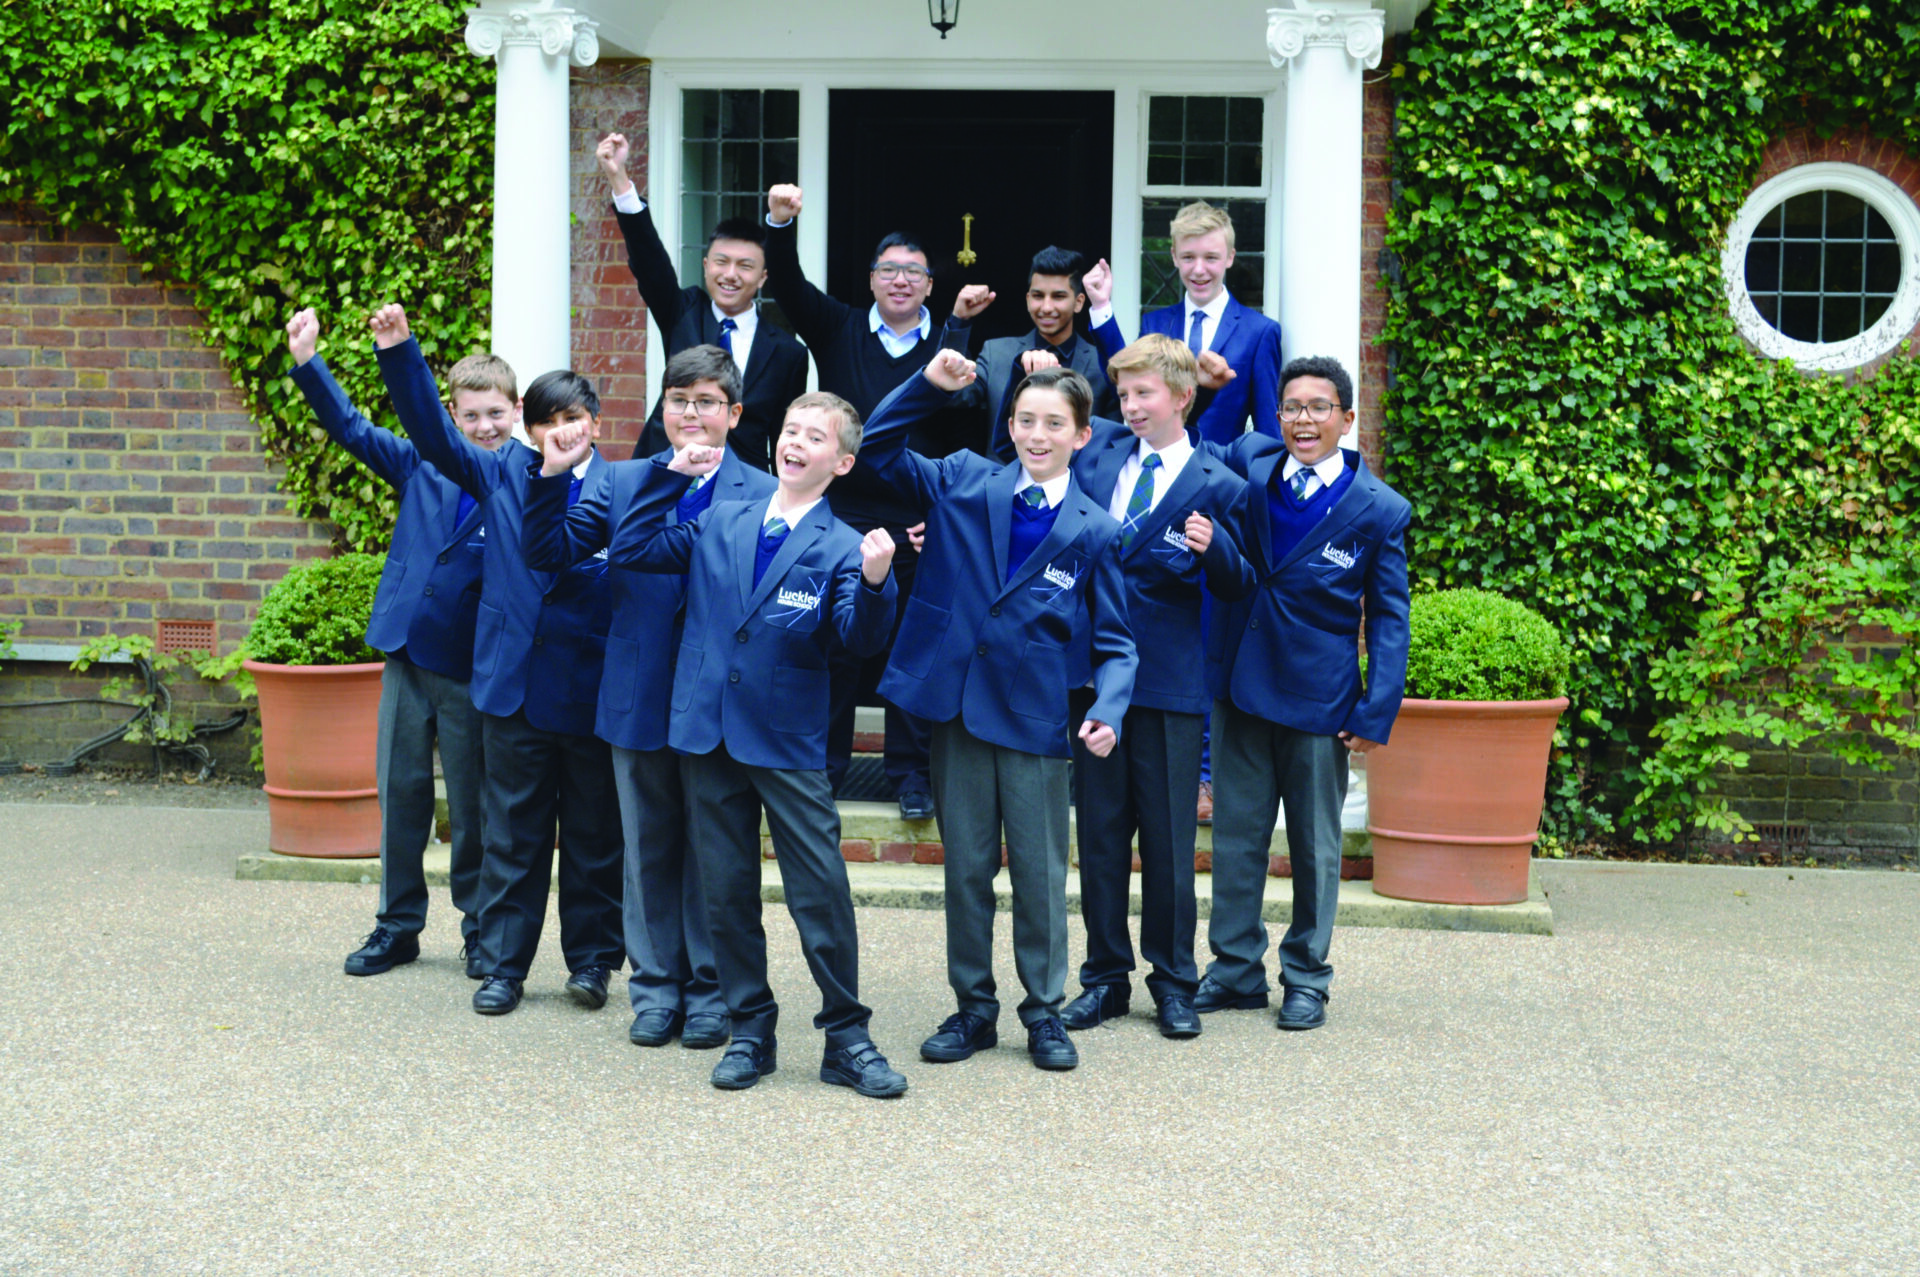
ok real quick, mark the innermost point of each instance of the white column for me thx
(533, 43)
(1326, 47)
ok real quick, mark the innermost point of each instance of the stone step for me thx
(919, 886)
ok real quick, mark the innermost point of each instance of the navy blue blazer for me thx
(986, 397)
(636, 687)
(1289, 651)
(541, 636)
(752, 670)
(430, 587)
(1000, 650)
(1165, 579)
(1250, 343)
(776, 366)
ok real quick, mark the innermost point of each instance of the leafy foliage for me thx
(293, 153)
(317, 614)
(157, 723)
(1578, 423)
(1473, 645)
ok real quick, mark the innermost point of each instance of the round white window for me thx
(1822, 266)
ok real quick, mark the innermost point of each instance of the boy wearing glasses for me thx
(675, 984)
(771, 364)
(1326, 539)
(862, 356)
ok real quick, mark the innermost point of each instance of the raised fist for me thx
(303, 335)
(1100, 739)
(612, 154)
(950, 370)
(783, 203)
(973, 299)
(876, 556)
(1199, 532)
(390, 326)
(696, 459)
(1214, 371)
(1098, 281)
(564, 447)
(1034, 360)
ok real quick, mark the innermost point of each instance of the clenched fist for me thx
(390, 326)
(973, 299)
(876, 556)
(950, 370)
(303, 335)
(783, 203)
(697, 459)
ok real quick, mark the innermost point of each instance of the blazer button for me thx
(429, 589)
(982, 649)
(539, 641)
(734, 677)
(443, 558)
(1253, 625)
(547, 601)
(994, 610)
(742, 636)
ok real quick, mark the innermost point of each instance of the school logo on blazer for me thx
(1056, 580)
(790, 606)
(1341, 558)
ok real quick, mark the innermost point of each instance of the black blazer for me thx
(776, 366)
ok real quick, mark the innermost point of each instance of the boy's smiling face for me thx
(1052, 304)
(1150, 409)
(735, 269)
(485, 417)
(567, 416)
(1045, 433)
(1202, 261)
(1310, 441)
(807, 456)
(699, 413)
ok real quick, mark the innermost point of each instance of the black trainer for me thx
(958, 1037)
(1050, 1047)
(862, 1067)
(588, 986)
(1096, 1005)
(745, 1063)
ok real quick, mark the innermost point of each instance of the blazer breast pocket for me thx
(1055, 584)
(798, 602)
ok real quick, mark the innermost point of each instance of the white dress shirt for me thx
(1173, 458)
(1055, 488)
(744, 324)
(790, 516)
(1327, 469)
(898, 344)
(1212, 310)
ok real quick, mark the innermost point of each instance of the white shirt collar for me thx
(1172, 457)
(580, 471)
(1055, 488)
(791, 517)
(743, 323)
(1328, 467)
(879, 325)
(1213, 309)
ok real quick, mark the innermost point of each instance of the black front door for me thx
(1032, 168)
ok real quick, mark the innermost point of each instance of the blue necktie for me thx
(1035, 496)
(1194, 342)
(776, 529)
(727, 329)
(1301, 481)
(1141, 501)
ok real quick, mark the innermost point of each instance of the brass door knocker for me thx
(966, 256)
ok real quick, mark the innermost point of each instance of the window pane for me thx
(1877, 228)
(1206, 166)
(1883, 268)
(700, 165)
(1803, 215)
(1763, 267)
(1800, 318)
(739, 166)
(780, 113)
(1800, 271)
(1846, 216)
(1845, 266)
(1163, 168)
(729, 177)
(740, 113)
(1163, 120)
(1205, 142)
(1244, 122)
(1243, 166)
(1840, 318)
(700, 114)
(782, 161)
(1876, 307)
(1769, 308)
(1206, 120)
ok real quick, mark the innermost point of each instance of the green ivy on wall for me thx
(299, 152)
(1579, 425)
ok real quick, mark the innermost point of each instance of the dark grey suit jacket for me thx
(985, 400)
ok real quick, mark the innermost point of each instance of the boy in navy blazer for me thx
(1176, 507)
(1020, 592)
(675, 986)
(423, 616)
(721, 312)
(1209, 318)
(1327, 539)
(772, 586)
(538, 645)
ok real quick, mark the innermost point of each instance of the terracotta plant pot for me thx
(1454, 802)
(318, 725)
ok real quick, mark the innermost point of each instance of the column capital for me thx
(1357, 27)
(556, 32)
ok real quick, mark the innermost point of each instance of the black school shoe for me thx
(705, 1030)
(383, 951)
(1213, 996)
(1302, 1009)
(1177, 1018)
(588, 986)
(862, 1067)
(654, 1026)
(916, 804)
(1096, 1005)
(958, 1037)
(470, 954)
(497, 995)
(1050, 1047)
(744, 1064)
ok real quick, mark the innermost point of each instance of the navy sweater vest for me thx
(1292, 518)
(1030, 528)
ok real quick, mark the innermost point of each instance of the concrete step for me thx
(920, 886)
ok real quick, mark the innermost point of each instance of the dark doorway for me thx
(1033, 168)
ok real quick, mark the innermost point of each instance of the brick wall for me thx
(1376, 182)
(132, 483)
(610, 327)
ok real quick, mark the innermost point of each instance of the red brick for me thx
(857, 850)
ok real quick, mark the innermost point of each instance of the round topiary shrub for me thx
(1473, 645)
(318, 613)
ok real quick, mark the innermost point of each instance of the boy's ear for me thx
(733, 415)
(1082, 437)
(845, 463)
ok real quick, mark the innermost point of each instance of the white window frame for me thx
(1893, 327)
(1273, 128)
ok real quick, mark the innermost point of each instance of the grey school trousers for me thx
(981, 790)
(418, 707)
(1258, 768)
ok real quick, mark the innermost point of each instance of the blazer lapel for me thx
(1074, 510)
(1000, 515)
(1353, 503)
(1169, 506)
(596, 472)
(462, 528)
(757, 355)
(1102, 470)
(811, 529)
(1223, 330)
(1260, 478)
